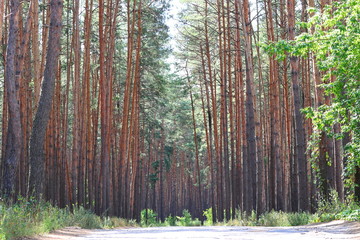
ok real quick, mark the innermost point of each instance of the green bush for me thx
(296, 219)
(114, 222)
(148, 218)
(273, 218)
(349, 215)
(85, 219)
(170, 221)
(208, 214)
(185, 220)
(26, 218)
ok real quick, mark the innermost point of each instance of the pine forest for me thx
(231, 105)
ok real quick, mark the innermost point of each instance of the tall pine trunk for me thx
(36, 181)
(14, 134)
(250, 162)
(300, 147)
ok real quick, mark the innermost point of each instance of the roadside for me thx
(332, 230)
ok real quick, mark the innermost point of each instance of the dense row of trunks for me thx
(101, 150)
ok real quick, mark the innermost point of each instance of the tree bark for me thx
(250, 163)
(299, 125)
(14, 134)
(2, 4)
(36, 181)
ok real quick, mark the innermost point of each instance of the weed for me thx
(185, 220)
(208, 214)
(273, 218)
(170, 221)
(148, 218)
(296, 219)
(26, 218)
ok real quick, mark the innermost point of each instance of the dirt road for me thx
(332, 230)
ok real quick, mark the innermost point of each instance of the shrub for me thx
(274, 219)
(170, 221)
(26, 218)
(114, 222)
(185, 220)
(209, 216)
(84, 219)
(349, 215)
(296, 219)
(148, 218)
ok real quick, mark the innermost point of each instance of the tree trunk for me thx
(14, 134)
(299, 125)
(2, 5)
(250, 163)
(36, 185)
(196, 150)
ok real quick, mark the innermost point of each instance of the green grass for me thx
(283, 219)
(27, 218)
(332, 209)
(151, 220)
(329, 210)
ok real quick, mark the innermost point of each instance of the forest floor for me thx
(332, 230)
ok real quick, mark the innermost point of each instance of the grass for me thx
(332, 209)
(150, 219)
(27, 218)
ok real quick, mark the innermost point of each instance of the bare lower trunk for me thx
(36, 184)
(14, 135)
(299, 125)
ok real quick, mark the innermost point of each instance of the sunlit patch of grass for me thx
(27, 218)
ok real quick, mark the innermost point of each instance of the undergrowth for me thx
(332, 209)
(328, 210)
(27, 218)
(149, 219)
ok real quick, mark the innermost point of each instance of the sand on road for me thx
(332, 230)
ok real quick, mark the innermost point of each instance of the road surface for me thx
(332, 230)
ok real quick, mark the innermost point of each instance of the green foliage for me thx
(349, 215)
(85, 219)
(329, 210)
(170, 221)
(114, 222)
(272, 219)
(296, 219)
(280, 218)
(335, 41)
(333, 209)
(185, 220)
(148, 218)
(209, 216)
(243, 219)
(338, 52)
(332, 205)
(26, 218)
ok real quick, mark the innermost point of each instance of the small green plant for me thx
(274, 218)
(29, 217)
(148, 218)
(114, 222)
(349, 215)
(185, 220)
(170, 221)
(332, 204)
(85, 218)
(296, 219)
(209, 216)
